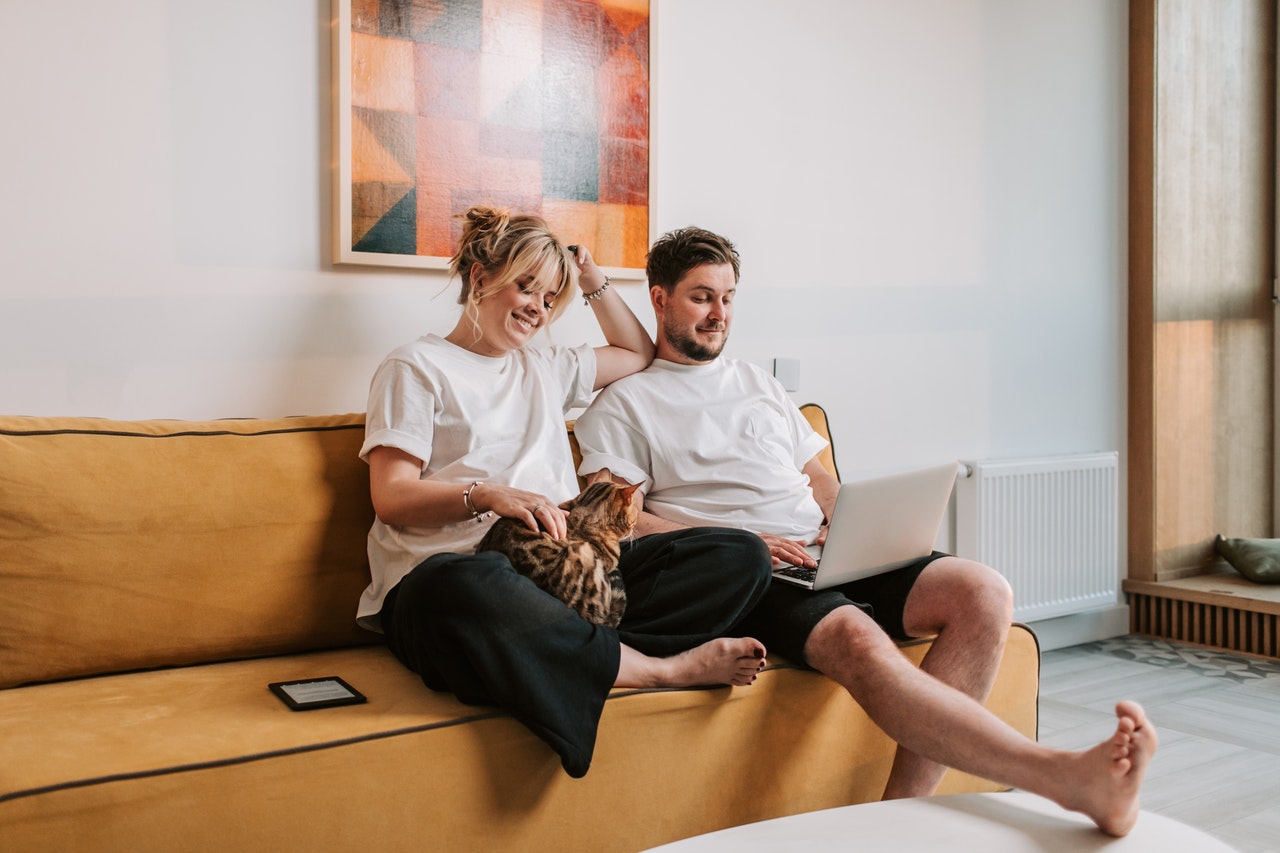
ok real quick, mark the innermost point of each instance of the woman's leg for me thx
(470, 624)
(689, 587)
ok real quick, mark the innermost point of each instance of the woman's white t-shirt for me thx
(469, 417)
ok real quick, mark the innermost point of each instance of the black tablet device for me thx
(309, 693)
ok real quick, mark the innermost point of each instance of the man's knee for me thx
(984, 593)
(846, 638)
(994, 589)
(952, 589)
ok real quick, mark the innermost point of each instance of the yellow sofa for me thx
(155, 576)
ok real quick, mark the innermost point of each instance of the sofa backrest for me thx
(817, 418)
(135, 544)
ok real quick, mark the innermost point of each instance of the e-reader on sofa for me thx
(156, 576)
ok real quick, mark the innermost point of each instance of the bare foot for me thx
(1113, 772)
(729, 660)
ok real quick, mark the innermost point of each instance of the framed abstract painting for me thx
(540, 106)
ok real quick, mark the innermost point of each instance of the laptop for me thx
(877, 526)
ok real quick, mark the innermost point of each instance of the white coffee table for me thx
(992, 823)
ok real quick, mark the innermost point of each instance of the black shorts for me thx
(787, 615)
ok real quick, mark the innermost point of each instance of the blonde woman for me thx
(469, 427)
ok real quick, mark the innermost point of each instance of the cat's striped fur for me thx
(582, 569)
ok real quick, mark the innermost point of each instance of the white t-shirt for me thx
(717, 444)
(469, 417)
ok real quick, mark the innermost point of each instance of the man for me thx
(715, 441)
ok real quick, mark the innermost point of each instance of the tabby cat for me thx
(582, 569)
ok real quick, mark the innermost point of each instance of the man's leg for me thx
(969, 608)
(946, 726)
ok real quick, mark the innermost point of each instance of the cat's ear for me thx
(629, 492)
(604, 475)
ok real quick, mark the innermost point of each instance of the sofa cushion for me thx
(207, 758)
(126, 545)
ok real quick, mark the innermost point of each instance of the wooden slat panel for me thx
(1141, 441)
(1184, 440)
(1198, 623)
(1202, 231)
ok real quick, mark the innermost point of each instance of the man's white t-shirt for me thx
(469, 417)
(718, 444)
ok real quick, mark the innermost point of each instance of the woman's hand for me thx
(630, 348)
(790, 551)
(591, 279)
(535, 510)
(402, 498)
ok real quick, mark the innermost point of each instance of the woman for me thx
(468, 427)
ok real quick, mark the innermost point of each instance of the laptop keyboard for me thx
(798, 572)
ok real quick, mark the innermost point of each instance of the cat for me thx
(582, 569)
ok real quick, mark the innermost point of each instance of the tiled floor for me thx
(1218, 714)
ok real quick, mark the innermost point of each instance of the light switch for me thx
(787, 371)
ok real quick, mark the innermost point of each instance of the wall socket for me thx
(787, 371)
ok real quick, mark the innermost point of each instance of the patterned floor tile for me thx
(1210, 663)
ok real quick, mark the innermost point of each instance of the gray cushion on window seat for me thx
(1256, 559)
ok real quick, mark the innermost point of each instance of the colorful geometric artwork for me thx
(540, 106)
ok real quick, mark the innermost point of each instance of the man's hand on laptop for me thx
(789, 551)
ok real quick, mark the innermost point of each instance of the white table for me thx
(991, 823)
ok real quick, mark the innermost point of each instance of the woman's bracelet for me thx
(588, 298)
(471, 507)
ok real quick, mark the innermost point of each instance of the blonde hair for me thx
(509, 247)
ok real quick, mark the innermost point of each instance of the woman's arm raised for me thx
(630, 348)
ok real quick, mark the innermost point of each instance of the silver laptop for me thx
(878, 525)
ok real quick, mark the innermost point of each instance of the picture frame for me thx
(537, 106)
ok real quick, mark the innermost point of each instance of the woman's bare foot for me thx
(1112, 772)
(729, 660)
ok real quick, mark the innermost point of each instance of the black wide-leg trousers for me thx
(471, 625)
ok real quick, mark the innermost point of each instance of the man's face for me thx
(693, 322)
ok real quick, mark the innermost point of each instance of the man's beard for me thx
(691, 349)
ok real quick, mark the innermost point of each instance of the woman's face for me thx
(510, 317)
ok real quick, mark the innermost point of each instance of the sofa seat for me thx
(128, 761)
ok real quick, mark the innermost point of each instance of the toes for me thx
(1131, 714)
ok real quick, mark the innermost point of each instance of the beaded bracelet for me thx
(588, 298)
(471, 507)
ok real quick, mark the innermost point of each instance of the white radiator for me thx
(1048, 525)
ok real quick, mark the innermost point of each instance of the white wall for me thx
(928, 196)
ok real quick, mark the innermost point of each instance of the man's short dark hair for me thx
(676, 252)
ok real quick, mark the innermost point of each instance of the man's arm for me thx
(781, 549)
(648, 523)
(825, 488)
